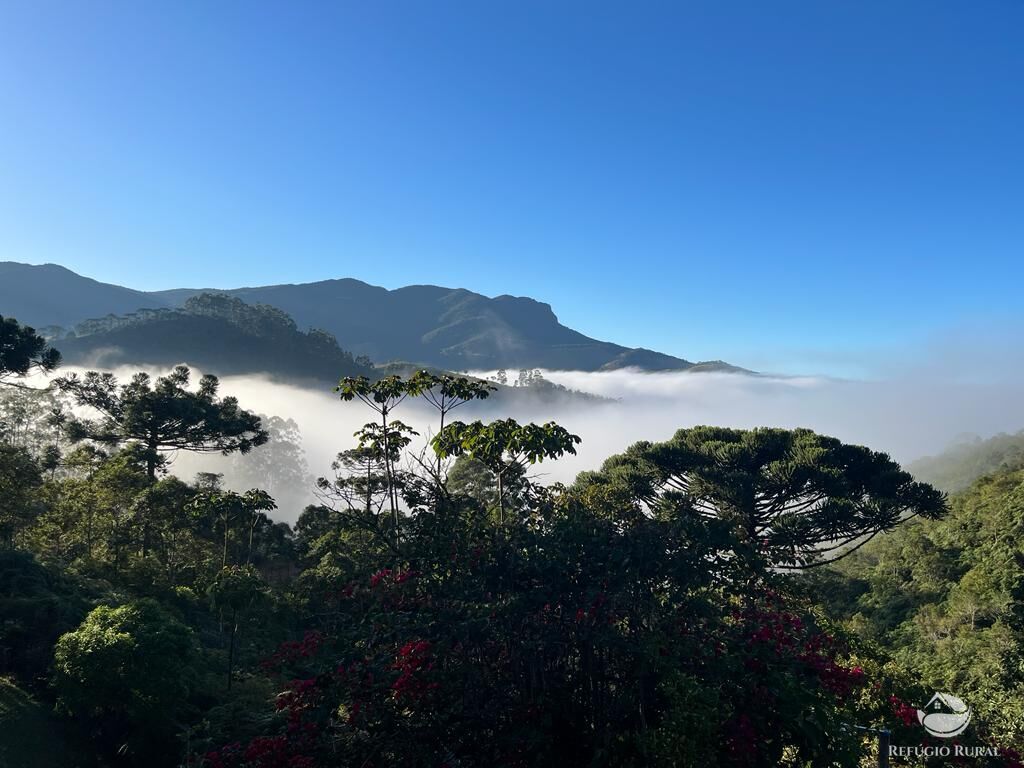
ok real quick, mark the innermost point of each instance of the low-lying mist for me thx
(909, 414)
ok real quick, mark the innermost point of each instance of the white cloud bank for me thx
(914, 411)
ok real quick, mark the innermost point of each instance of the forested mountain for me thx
(965, 461)
(223, 335)
(454, 329)
(217, 333)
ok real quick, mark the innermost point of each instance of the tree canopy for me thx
(505, 446)
(126, 668)
(162, 415)
(22, 350)
(443, 605)
(792, 497)
(946, 599)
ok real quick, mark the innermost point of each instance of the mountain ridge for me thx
(452, 328)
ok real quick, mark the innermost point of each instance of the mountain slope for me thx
(216, 333)
(962, 463)
(49, 294)
(223, 335)
(450, 328)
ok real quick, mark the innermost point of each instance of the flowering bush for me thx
(476, 660)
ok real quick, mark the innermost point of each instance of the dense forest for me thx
(216, 332)
(724, 598)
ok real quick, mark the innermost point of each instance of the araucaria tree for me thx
(22, 350)
(164, 415)
(792, 498)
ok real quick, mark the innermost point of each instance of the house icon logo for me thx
(945, 716)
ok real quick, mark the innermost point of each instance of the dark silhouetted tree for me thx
(162, 415)
(234, 592)
(22, 350)
(228, 509)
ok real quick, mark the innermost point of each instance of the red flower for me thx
(906, 713)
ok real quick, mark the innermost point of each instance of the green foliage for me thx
(451, 610)
(945, 598)
(162, 415)
(793, 498)
(129, 669)
(32, 418)
(505, 446)
(230, 510)
(472, 478)
(446, 392)
(89, 517)
(502, 443)
(132, 658)
(559, 624)
(236, 588)
(38, 605)
(360, 480)
(382, 396)
(22, 350)
(236, 591)
(19, 477)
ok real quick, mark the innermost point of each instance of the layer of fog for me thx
(913, 412)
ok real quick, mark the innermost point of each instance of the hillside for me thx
(218, 334)
(449, 328)
(943, 598)
(225, 336)
(964, 462)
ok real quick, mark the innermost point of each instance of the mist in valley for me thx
(911, 410)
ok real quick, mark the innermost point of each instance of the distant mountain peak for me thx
(451, 328)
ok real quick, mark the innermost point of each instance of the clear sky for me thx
(765, 182)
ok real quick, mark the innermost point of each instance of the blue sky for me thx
(785, 184)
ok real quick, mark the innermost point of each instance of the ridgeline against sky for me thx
(695, 178)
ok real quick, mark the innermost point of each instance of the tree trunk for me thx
(224, 561)
(151, 457)
(231, 645)
(501, 500)
(252, 530)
